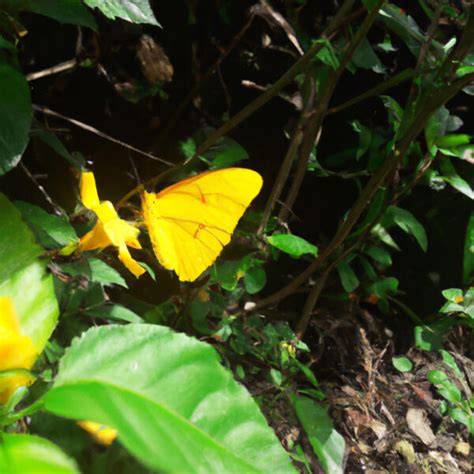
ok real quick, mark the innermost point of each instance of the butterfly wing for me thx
(191, 221)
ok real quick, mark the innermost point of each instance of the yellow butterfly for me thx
(191, 221)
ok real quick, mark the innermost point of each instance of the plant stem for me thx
(261, 100)
(313, 129)
(432, 103)
(289, 158)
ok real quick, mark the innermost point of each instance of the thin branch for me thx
(64, 66)
(403, 76)
(261, 100)
(91, 129)
(173, 120)
(57, 210)
(434, 101)
(313, 129)
(285, 79)
(289, 158)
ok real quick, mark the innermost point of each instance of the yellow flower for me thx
(16, 351)
(102, 434)
(109, 229)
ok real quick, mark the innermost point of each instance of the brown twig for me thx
(261, 100)
(89, 128)
(173, 120)
(289, 158)
(432, 103)
(313, 129)
(64, 66)
(403, 76)
(56, 209)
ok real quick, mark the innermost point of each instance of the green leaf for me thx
(452, 140)
(384, 287)
(349, 280)
(405, 27)
(365, 138)
(255, 279)
(174, 406)
(437, 377)
(408, 223)
(50, 230)
(104, 274)
(228, 274)
(430, 338)
(113, 312)
(403, 364)
(448, 359)
(226, 152)
(450, 175)
(10, 47)
(327, 443)
(28, 454)
(436, 128)
(450, 392)
(24, 278)
(50, 139)
(379, 254)
(292, 245)
(452, 294)
(468, 260)
(327, 55)
(364, 57)
(15, 116)
(135, 11)
(37, 308)
(17, 246)
(64, 11)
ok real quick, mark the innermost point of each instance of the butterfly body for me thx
(191, 221)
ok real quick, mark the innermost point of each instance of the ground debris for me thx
(418, 424)
(390, 420)
(405, 449)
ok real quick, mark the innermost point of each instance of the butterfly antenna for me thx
(135, 173)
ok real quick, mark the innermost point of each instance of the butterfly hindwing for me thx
(191, 221)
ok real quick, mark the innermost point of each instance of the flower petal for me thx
(16, 351)
(89, 196)
(8, 321)
(97, 238)
(102, 434)
(129, 261)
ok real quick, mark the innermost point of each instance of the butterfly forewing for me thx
(191, 221)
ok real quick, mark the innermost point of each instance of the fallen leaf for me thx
(405, 449)
(418, 424)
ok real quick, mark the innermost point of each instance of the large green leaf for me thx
(23, 277)
(327, 443)
(136, 11)
(17, 246)
(65, 11)
(175, 407)
(15, 116)
(51, 231)
(27, 454)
